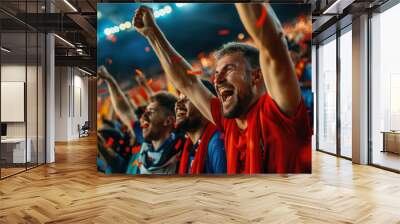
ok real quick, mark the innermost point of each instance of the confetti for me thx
(121, 142)
(147, 49)
(260, 22)
(190, 72)
(112, 38)
(223, 32)
(136, 149)
(109, 143)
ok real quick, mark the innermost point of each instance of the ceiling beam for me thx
(86, 26)
(81, 61)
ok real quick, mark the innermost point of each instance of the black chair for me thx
(84, 130)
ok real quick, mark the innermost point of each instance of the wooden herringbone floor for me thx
(71, 191)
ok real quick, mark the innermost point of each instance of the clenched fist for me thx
(144, 20)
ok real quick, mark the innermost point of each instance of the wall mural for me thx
(204, 88)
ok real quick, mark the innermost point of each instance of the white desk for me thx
(17, 145)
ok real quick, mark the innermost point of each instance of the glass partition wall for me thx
(345, 65)
(327, 96)
(22, 77)
(385, 89)
(334, 89)
(334, 96)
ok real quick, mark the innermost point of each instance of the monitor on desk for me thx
(3, 130)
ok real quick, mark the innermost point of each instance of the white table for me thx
(18, 148)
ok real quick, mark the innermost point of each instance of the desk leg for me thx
(384, 142)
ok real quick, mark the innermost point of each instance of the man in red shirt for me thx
(264, 132)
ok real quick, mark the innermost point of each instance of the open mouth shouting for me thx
(144, 124)
(180, 112)
(226, 94)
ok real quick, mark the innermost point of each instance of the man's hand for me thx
(144, 21)
(140, 78)
(104, 74)
(175, 70)
(142, 81)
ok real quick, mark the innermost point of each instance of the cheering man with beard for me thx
(263, 132)
(207, 155)
(160, 152)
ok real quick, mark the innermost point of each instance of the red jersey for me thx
(272, 141)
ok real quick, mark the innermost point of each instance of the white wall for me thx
(61, 103)
(16, 73)
(71, 94)
(33, 127)
(13, 73)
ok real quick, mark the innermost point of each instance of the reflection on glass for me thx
(346, 94)
(386, 89)
(327, 97)
(14, 151)
(23, 82)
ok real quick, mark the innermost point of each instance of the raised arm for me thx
(277, 67)
(177, 69)
(142, 81)
(122, 106)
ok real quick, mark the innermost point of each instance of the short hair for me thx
(250, 53)
(166, 100)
